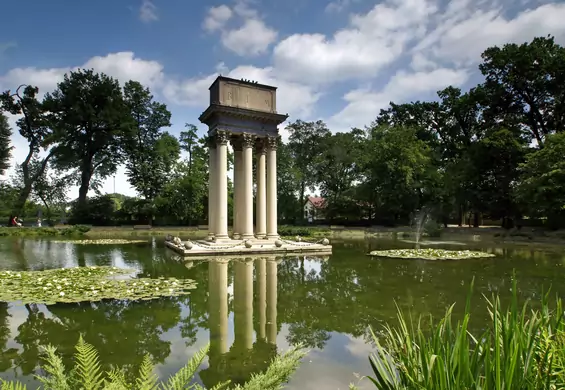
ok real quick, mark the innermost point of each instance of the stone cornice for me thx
(241, 113)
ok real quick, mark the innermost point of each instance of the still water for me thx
(251, 309)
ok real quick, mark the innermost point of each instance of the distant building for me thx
(314, 208)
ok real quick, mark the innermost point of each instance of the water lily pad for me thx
(430, 254)
(105, 241)
(82, 284)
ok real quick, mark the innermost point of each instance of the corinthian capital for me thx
(222, 137)
(247, 140)
(272, 142)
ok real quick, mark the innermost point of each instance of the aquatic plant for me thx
(88, 375)
(74, 230)
(430, 254)
(103, 241)
(81, 284)
(521, 349)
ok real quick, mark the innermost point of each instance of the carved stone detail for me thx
(272, 142)
(260, 146)
(247, 140)
(222, 137)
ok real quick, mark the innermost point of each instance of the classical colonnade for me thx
(244, 144)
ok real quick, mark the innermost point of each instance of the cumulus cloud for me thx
(370, 42)
(248, 36)
(363, 104)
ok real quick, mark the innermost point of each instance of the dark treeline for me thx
(494, 152)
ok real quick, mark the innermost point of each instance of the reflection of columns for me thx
(246, 193)
(237, 177)
(211, 186)
(261, 206)
(272, 301)
(272, 187)
(221, 225)
(243, 303)
(261, 276)
(218, 301)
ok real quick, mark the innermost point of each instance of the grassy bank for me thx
(75, 231)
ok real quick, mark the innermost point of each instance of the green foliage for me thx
(5, 143)
(88, 374)
(151, 153)
(89, 135)
(85, 284)
(76, 231)
(521, 349)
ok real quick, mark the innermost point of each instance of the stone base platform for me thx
(203, 248)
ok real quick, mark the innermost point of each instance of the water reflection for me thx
(250, 309)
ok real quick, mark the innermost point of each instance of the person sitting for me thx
(16, 222)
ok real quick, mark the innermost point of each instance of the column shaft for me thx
(261, 201)
(243, 304)
(272, 188)
(247, 186)
(221, 225)
(211, 187)
(236, 189)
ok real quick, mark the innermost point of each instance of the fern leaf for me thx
(278, 372)
(184, 376)
(116, 379)
(88, 366)
(220, 386)
(53, 365)
(146, 380)
(11, 385)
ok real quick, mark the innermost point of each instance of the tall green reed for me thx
(522, 348)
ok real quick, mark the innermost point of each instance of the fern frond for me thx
(146, 380)
(184, 376)
(220, 386)
(278, 373)
(116, 379)
(11, 385)
(88, 366)
(56, 377)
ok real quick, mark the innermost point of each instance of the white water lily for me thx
(62, 293)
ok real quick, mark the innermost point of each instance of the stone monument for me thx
(243, 113)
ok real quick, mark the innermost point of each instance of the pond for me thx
(251, 309)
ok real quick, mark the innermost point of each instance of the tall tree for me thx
(189, 141)
(90, 120)
(306, 144)
(527, 83)
(34, 126)
(151, 153)
(5, 144)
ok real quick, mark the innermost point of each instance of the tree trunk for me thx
(85, 177)
(20, 202)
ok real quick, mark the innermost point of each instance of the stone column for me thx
(272, 266)
(237, 182)
(221, 214)
(260, 267)
(261, 201)
(243, 303)
(211, 186)
(272, 187)
(248, 141)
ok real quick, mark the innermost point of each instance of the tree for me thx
(527, 82)
(188, 141)
(289, 207)
(34, 126)
(5, 144)
(150, 152)
(305, 145)
(542, 187)
(90, 121)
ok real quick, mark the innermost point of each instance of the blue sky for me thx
(336, 60)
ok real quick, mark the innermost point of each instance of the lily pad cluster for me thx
(82, 284)
(430, 254)
(106, 241)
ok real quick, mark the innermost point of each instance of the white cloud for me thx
(217, 18)
(148, 11)
(250, 37)
(363, 104)
(370, 42)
